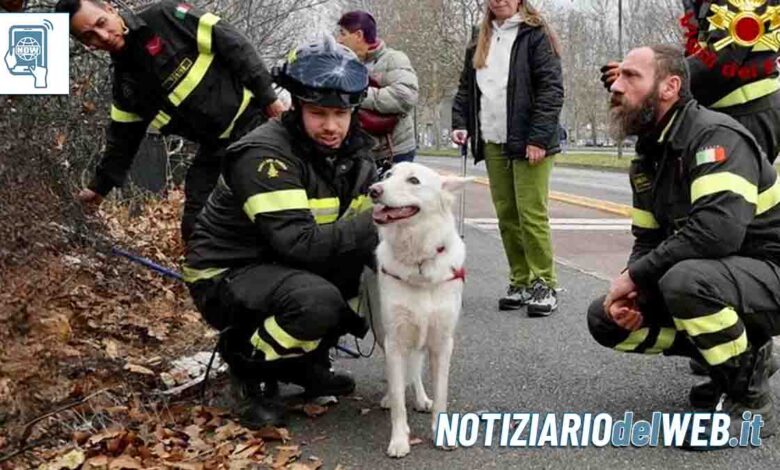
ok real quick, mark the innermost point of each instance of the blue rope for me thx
(177, 276)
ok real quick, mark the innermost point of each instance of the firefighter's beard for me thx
(626, 120)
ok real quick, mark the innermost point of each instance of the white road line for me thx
(600, 225)
(615, 221)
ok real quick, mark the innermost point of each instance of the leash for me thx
(464, 154)
(104, 245)
(370, 324)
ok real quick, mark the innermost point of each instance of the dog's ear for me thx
(455, 183)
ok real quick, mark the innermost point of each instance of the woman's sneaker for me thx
(515, 298)
(543, 301)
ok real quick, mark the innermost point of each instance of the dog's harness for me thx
(457, 273)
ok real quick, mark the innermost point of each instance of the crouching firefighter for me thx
(703, 278)
(281, 243)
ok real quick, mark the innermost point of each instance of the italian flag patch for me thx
(182, 9)
(711, 155)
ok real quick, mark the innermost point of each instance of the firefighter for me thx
(182, 71)
(738, 78)
(279, 247)
(703, 278)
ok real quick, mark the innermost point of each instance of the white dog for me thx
(420, 277)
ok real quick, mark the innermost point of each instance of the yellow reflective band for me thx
(244, 103)
(643, 219)
(205, 27)
(267, 349)
(191, 80)
(749, 92)
(633, 340)
(285, 340)
(722, 320)
(326, 210)
(663, 342)
(117, 115)
(725, 181)
(161, 120)
(768, 198)
(723, 352)
(191, 275)
(276, 201)
(358, 205)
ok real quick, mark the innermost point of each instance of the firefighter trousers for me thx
(275, 318)
(710, 309)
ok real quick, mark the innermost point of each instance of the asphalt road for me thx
(604, 185)
(507, 362)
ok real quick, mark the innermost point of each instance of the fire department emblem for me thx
(747, 27)
(272, 167)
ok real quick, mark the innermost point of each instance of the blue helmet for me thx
(325, 73)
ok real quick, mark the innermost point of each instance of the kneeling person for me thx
(703, 278)
(282, 241)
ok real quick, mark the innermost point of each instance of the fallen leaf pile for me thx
(85, 341)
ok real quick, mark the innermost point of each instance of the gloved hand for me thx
(355, 325)
(609, 74)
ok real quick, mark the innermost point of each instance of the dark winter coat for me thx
(534, 96)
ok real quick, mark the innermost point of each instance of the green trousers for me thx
(520, 194)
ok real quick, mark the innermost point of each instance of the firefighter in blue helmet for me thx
(182, 71)
(279, 248)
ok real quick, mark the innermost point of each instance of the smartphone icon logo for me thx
(34, 53)
(28, 54)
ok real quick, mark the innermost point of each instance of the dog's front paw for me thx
(399, 447)
(423, 405)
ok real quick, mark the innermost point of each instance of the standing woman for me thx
(508, 104)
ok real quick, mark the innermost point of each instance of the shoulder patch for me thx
(641, 182)
(710, 155)
(272, 167)
(182, 9)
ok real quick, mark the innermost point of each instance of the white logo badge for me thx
(36, 55)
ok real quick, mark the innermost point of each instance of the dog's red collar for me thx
(457, 274)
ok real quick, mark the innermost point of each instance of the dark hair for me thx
(360, 20)
(71, 7)
(670, 60)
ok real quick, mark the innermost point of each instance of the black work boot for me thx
(315, 375)
(748, 394)
(698, 367)
(255, 404)
(706, 395)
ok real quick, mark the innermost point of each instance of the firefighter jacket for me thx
(733, 51)
(702, 190)
(183, 72)
(284, 200)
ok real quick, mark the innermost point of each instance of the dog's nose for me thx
(375, 192)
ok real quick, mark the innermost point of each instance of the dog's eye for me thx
(387, 175)
(412, 180)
